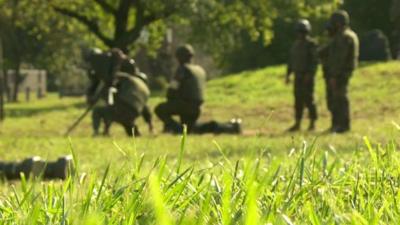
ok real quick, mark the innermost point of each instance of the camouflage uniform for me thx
(303, 63)
(342, 59)
(184, 98)
(131, 95)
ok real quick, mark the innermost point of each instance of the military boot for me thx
(295, 127)
(59, 169)
(31, 167)
(311, 127)
(236, 124)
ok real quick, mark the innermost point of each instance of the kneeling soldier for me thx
(185, 97)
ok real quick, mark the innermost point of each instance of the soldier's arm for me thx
(91, 91)
(313, 54)
(289, 70)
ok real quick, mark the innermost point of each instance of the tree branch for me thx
(122, 17)
(106, 6)
(143, 20)
(92, 25)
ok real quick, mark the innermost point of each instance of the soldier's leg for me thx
(330, 102)
(129, 125)
(165, 111)
(59, 169)
(189, 117)
(298, 103)
(96, 120)
(146, 114)
(108, 116)
(131, 129)
(343, 105)
(329, 95)
(310, 103)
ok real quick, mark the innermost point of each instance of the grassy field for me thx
(265, 176)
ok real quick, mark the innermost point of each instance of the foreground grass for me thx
(309, 187)
(265, 176)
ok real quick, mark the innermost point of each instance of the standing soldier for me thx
(342, 59)
(303, 63)
(323, 54)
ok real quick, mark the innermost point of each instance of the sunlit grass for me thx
(265, 176)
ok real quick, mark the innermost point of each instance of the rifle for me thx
(97, 97)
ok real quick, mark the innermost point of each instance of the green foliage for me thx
(367, 15)
(121, 23)
(39, 40)
(243, 35)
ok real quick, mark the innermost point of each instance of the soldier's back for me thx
(133, 91)
(343, 52)
(194, 81)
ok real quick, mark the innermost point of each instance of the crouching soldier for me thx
(303, 63)
(185, 97)
(123, 89)
(37, 167)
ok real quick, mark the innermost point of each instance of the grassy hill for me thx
(306, 177)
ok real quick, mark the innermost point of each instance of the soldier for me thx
(185, 94)
(185, 97)
(323, 54)
(36, 167)
(342, 59)
(303, 63)
(126, 93)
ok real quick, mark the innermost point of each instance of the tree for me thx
(39, 40)
(395, 18)
(119, 23)
(19, 43)
(249, 34)
(367, 15)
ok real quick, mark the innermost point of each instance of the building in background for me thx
(31, 82)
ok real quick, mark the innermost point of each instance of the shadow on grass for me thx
(29, 111)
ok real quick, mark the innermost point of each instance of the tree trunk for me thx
(17, 80)
(2, 84)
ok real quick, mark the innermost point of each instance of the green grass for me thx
(264, 176)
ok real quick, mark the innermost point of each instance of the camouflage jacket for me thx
(303, 57)
(343, 54)
(188, 84)
(132, 90)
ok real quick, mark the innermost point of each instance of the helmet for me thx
(303, 26)
(341, 17)
(89, 52)
(185, 51)
(129, 66)
(118, 54)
